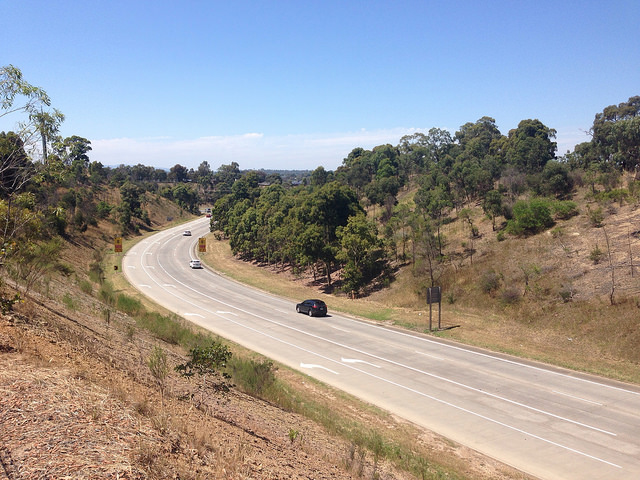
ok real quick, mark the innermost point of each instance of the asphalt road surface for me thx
(546, 421)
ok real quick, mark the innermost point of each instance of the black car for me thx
(313, 308)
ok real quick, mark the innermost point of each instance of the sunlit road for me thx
(551, 423)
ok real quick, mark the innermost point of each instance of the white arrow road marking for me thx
(193, 315)
(311, 365)
(355, 360)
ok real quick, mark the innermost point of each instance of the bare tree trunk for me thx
(630, 252)
(613, 282)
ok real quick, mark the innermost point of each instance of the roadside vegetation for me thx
(537, 255)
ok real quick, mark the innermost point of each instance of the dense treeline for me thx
(517, 177)
(348, 220)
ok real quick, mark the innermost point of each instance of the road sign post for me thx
(434, 295)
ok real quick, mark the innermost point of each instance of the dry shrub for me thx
(510, 296)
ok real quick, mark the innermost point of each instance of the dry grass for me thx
(85, 382)
(552, 303)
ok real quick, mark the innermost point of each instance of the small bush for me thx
(69, 302)
(566, 293)
(96, 273)
(564, 210)
(530, 217)
(107, 294)
(490, 282)
(128, 305)
(510, 296)
(86, 287)
(596, 255)
(252, 376)
(596, 217)
(557, 232)
(103, 209)
(618, 195)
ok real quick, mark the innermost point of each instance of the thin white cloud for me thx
(257, 150)
(250, 150)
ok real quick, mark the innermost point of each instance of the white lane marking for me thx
(221, 312)
(169, 285)
(401, 365)
(355, 360)
(403, 386)
(341, 329)
(193, 315)
(497, 422)
(311, 365)
(499, 359)
(428, 355)
(144, 285)
(577, 398)
(131, 266)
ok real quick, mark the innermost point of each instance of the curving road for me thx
(548, 422)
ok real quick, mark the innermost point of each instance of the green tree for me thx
(16, 169)
(530, 146)
(400, 225)
(20, 221)
(319, 177)
(74, 153)
(178, 173)
(492, 206)
(434, 203)
(616, 135)
(362, 252)
(556, 179)
(37, 121)
(204, 174)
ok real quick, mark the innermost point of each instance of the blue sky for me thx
(299, 84)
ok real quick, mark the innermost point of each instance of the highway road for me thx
(548, 422)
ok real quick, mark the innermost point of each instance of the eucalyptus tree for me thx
(361, 252)
(492, 206)
(616, 135)
(20, 220)
(529, 147)
(30, 104)
(434, 204)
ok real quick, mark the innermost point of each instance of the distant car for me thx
(312, 307)
(208, 215)
(195, 264)
(186, 233)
